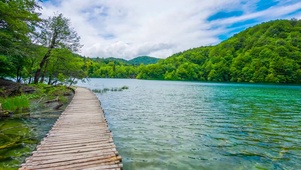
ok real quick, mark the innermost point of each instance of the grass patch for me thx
(15, 103)
(40, 94)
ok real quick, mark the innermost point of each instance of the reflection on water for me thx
(184, 125)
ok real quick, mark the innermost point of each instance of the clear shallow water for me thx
(20, 136)
(187, 125)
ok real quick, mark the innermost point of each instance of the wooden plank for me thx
(80, 139)
(37, 156)
(73, 160)
(47, 142)
(107, 137)
(69, 145)
(85, 147)
(94, 144)
(85, 155)
(100, 166)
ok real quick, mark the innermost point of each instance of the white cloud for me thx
(158, 28)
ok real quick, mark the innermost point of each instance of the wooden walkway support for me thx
(79, 139)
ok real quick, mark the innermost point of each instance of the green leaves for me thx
(47, 53)
(17, 20)
(6, 66)
(57, 33)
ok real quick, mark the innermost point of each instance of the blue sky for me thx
(160, 28)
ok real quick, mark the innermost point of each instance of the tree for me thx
(6, 69)
(18, 19)
(56, 33)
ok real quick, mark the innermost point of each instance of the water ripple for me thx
(183, 125)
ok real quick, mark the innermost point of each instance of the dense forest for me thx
(36, 50)
(268, 52)
(118, 68)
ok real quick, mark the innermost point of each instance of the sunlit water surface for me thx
(188, 125)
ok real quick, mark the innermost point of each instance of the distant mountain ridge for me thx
(143, 60)
(135, 61)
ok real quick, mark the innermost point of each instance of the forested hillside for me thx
(118, 68)
(143, 60)
(269, 52)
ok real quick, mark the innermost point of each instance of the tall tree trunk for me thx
(47, 55)
(31, 71)
(72, 81)
(51, 75)
(18, 74)
(39, 70)
(50, 80)
(44, 72)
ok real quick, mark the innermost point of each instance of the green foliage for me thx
(6, 66)
(135, 61)
(31, 54)
(118, 68)
(17, 21)
(56, 34)
(110, 59)
(15, 103)
(49, 91)
(143, 60)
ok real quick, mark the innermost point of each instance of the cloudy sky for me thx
(160, 28)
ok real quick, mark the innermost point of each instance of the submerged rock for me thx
(6, 114)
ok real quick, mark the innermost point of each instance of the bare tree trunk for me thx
(44, 72)
(29, 81)
(39, 70)
(72, 81)
(49, 80)
(54, 82)
(31, 71)
(47, 55)
(18, 74)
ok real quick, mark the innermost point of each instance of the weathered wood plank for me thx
(94, 144)
(37, 156)
(53, 143)
(80, 139)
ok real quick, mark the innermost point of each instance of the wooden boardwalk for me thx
(79, 139)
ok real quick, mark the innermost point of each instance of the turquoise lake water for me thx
(189, 125)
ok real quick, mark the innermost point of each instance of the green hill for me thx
(135, 61)
(116, 67)
(143, 60)
(268, 52)
(110, 59)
